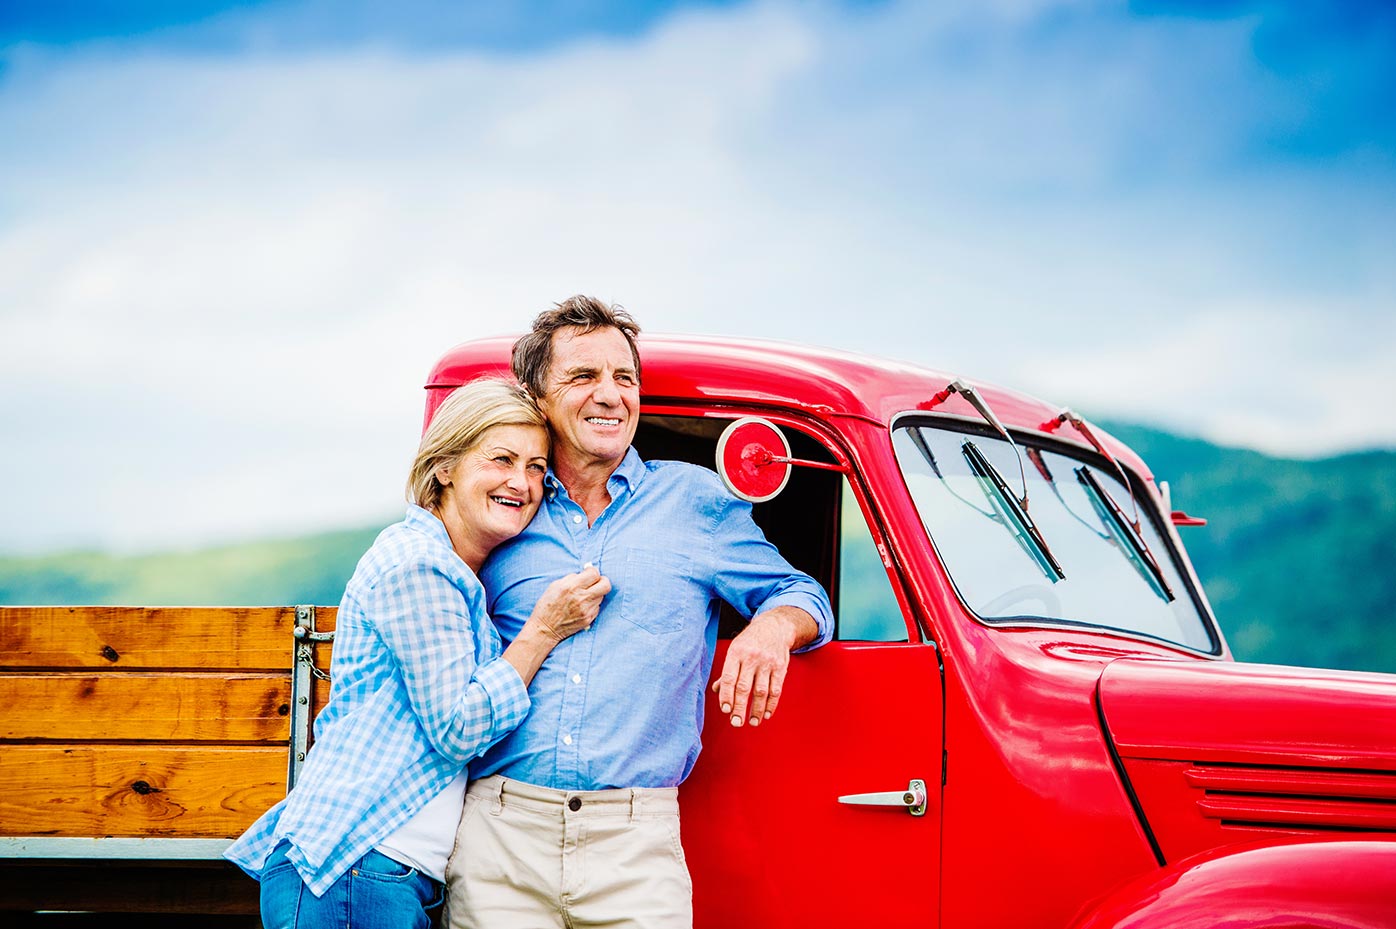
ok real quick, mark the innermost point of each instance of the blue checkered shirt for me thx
(419, 690)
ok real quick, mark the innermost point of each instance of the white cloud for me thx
(223, 279)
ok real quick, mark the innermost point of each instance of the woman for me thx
(420, 683)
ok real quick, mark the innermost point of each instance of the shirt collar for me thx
(627, 475)
(426, 522)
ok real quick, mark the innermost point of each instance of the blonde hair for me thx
(459, 423)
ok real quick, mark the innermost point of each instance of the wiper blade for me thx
(1127, 536)
(1011, 512)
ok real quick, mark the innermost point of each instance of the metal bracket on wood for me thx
(303, 672)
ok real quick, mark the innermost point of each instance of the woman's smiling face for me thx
(493, 490)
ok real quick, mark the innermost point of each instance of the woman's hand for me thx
(568, 606)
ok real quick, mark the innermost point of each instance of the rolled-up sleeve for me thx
(752, 575)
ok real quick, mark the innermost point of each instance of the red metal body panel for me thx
(1035, 818)
(767, 843)
(1220, 755)
(1332, 885)
(1032, 799)
(1244, 713)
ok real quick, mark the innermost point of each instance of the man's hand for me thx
(754, 672)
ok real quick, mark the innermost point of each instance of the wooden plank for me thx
(319, 697)
(153, 637)
(214, 888)
(180, 706)
(137, 790)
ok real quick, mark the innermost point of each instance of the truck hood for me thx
(1220, 752)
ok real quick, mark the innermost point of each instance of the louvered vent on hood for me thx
(1296, 799)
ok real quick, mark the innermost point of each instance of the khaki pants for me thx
(529, 857)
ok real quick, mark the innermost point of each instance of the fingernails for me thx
(737, 722)
(727, 708)
(768, 715)
(755, 721)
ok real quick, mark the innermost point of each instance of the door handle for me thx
(913, 799)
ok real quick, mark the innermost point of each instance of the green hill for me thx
(310, 569)
(1296, 558)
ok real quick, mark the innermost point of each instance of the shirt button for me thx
(567, 740)
(574, 804)
(576, 517)
(576, 678)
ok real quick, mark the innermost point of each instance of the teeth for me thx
(597, 420)
(507, 502)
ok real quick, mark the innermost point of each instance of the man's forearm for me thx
(800, 625)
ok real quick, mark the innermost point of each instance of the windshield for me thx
(1106, 581)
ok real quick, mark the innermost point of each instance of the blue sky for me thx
(234, 237)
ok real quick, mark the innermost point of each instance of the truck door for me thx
(767, 839)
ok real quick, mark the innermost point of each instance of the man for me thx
(573, 818)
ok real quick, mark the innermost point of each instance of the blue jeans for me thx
(375, 893)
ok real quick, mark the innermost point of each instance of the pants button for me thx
(574, 804)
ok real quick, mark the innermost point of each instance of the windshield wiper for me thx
(1068, 415)
(1127, 536)
(1011, 512)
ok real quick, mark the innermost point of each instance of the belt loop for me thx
(498, 797)
(635, 805)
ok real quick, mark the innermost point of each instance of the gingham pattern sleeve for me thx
(434, 636)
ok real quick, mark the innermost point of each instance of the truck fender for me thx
(1328, 884)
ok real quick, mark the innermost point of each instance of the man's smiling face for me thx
(593, 397)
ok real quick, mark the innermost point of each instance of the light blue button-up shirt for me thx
(419, 689)
(621, 704)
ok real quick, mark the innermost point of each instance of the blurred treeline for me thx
(309, 569)
(1298, 557)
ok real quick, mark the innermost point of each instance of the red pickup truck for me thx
(1028, 716)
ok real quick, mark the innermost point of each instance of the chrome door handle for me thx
(913, 799)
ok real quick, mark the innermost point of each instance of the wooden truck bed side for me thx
(134, 741)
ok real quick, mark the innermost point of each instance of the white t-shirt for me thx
(426, 840)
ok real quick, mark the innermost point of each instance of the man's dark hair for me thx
(533, 354)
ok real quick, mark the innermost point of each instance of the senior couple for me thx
(519, 665)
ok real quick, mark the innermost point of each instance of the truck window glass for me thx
(867, 608)
(1102, 586)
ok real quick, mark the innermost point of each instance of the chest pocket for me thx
(656, 590)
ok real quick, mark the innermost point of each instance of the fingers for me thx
(726, 685)
(753, 676)
(773, 697)
(743, 689)
(571, 602)
(591, 587)
(760, 695)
